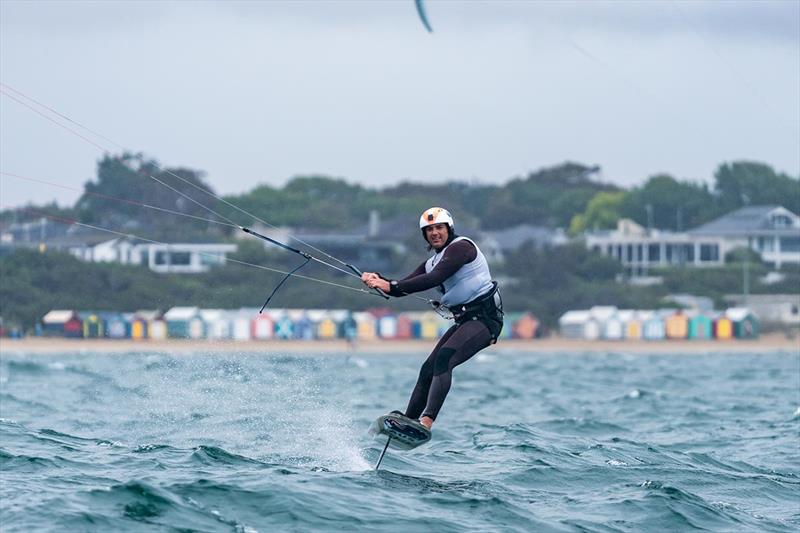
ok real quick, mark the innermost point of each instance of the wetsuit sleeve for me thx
(457, 255)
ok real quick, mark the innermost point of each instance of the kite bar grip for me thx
(359, 273)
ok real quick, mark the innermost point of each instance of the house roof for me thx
(58, 316)
(181, 313)
(750, 219)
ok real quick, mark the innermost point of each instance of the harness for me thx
(488, 308)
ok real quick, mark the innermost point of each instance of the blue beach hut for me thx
(184, 323)
(62, 323)
(117, 327)
(653, 327)
(701, 326)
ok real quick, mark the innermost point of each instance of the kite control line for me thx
(308, 257)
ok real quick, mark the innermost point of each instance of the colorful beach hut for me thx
(262, 326)
(387, 325)
(524, 326)
(138, 327)
(156, 326)
(284, 327)
(405, 326)
(62, 323)
(653, 327)
(366, 325)
(216, 324)
(700, 326)
(745, 324)
(325, 326)
(240, 324)
(184, 323)
(676, 325)
(633, 323)
(93, 325)
(723, 328)
(118, 325)
(347, 327)
(579, 325)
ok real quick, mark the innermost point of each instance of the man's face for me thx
(436, 234)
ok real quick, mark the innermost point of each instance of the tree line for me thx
(546, 282)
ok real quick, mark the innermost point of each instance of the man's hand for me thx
(373, 281)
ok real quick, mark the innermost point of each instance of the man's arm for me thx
(457, 255)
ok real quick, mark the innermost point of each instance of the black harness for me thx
(488, 308)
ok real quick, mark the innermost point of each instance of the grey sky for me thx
(254, 92)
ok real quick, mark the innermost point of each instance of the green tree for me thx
(751, 183)
(674, 205)
(602, 212)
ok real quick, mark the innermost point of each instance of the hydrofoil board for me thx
(404, 433)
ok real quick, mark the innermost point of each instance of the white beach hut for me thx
(579, 325)
(217, 324)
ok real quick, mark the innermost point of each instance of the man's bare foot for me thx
(426, 421)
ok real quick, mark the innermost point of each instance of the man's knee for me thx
(442, 363)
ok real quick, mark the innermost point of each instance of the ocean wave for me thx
(215, 455)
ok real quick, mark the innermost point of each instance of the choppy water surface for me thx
(254, 442)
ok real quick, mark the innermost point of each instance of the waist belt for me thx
(488, 308)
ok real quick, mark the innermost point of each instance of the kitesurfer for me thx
(460, 272)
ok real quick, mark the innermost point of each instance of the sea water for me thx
(525, 442)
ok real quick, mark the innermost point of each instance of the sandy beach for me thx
(767, 343)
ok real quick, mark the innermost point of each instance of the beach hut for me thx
(138, 327)
(284, 327)
(184, 323)
(155, 327)
(525, 326)
(723, 327)
(700, 326)
(239, 323)
(346, 328)
(62, 323)
(304, 328)
(745, 324)
(676, 325)
(262, 327)
(93, 325)
(632, 321)
(579, 325)
(430, 324)
(386, 325)
(216, 324)
(612, 325)
(327, 327)
(366, 325)
(118, 325)
(405, 326)
(653, 327)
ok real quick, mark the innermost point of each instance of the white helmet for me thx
(435, 215)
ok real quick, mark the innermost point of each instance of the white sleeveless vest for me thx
(469, 281)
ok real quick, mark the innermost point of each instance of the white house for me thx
(772, 231)
(185, 258)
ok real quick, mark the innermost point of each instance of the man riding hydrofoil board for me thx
(460, 272)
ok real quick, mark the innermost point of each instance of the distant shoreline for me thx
(767, 343)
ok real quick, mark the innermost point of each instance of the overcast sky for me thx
(257, 92)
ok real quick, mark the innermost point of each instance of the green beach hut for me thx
(745, 324)
(701, 327)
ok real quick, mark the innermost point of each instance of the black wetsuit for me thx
(457, 345)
